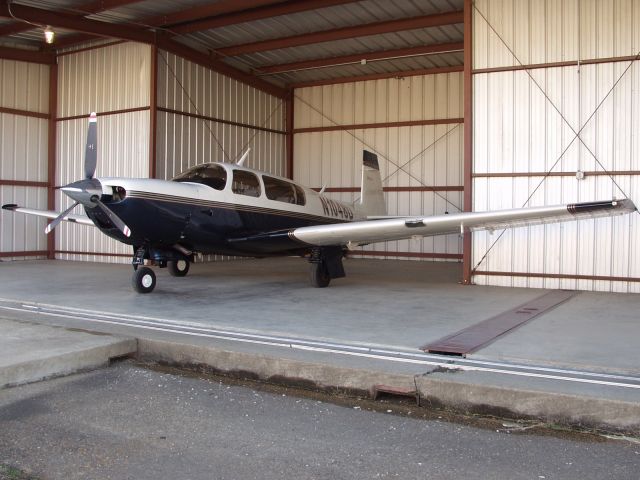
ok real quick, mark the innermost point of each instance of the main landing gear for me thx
(144, 278)
(326, 263)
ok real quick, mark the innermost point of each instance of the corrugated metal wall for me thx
(105, 80)
(23, 153)
(188, 89)
(525, 124)
(430, 155)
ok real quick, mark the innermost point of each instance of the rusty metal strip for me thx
(472, 338)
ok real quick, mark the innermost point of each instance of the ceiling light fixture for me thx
(49, 35)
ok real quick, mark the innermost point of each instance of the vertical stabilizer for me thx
(372, 202)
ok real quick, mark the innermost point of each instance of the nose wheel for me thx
(143, 280)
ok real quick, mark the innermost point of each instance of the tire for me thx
(143, 280)
(319, 275)
(178, 268)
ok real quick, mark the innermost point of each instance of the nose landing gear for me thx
(144, 278)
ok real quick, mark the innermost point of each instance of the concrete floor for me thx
(577, 364)
(392, 304)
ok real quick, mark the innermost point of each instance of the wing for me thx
(369, 231)
(48, 214)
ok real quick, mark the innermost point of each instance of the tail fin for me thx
(372, 202)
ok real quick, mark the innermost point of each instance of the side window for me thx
(245, 183)
(279, 190)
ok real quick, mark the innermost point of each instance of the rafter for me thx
(358, 57)
(379, 76)
(285, 8)
(377, 28)
(208, 10)
(95, 6)
(27, 55)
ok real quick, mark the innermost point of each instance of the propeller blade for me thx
(91, 152)
(59, 218)
(114, 218)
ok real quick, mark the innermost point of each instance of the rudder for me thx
(372, 202)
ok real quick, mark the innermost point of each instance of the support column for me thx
(153, 111)
(289, 130)
(468, 137)
(51, 154)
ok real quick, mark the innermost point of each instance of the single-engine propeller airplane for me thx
(223, 208)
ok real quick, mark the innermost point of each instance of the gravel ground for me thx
(131, 422)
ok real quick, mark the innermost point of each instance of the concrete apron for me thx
(430, 388)
(30, 352)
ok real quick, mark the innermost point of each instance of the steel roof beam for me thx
(27, 55)
(283, 8)
(208, 10)
(377, 28)
(358, 57)
(378, 76)
(96, 6)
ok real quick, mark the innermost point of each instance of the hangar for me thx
(469, 106)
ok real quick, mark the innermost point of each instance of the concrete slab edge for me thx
(66, 363)
(597, 413)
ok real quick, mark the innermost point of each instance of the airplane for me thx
(228, 209)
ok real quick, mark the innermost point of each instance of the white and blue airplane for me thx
(228, 209)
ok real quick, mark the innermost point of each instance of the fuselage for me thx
(209, 208)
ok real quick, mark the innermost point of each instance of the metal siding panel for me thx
(553, 31)
(22, 233)
(23, 153)
(24, 86)
(104, 79)
(23, 148)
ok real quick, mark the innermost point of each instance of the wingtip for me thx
(9, 206)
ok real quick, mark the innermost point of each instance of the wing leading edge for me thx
(370, 231)
(84, 220)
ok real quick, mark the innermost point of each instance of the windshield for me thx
(210, 174)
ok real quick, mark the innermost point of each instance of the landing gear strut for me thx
(326, 263)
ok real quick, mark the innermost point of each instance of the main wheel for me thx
(178, 268)
(143, 280)
(319, 275)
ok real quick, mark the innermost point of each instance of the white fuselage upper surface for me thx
(315, 205)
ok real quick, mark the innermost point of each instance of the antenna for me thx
(244, 157)
(322, 189)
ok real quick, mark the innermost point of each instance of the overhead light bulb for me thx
(49, 34)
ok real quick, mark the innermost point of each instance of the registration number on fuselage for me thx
(336, 209)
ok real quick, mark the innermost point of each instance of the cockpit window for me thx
(211, 174)
(245, 183)
(283, 191)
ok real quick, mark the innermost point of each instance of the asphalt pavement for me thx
(130, 422)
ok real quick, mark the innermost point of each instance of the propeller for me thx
(87, 192)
